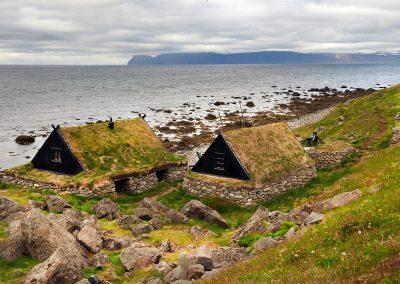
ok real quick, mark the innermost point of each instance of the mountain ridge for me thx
(262, 57)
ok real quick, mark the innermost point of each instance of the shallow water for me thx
(34, 97)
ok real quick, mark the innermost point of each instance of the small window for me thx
(219, 161)
(56, 155)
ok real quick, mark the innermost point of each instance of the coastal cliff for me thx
(262, 57)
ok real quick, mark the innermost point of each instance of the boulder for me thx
(178, 273)
(63, 266)
(117, 243)
(264, 243)
(56, 204)
(9, 207)
(228, 255)
(204, 257)
(106, 208)
(141, 229)
(198, 232)
(155, 280)
(100, 260)
(14, 246)
(195, 271)
(166, 246)
(43, 236)
(314, 218)
(176, 217)
(143, 213)
(36, 204)
(154, 205)
(165, 267)
(298, 216)
(156, 223)
(139, 255)
(70, 220)
(91, 237)
(196, 209)
(126, 221)
(256, 224)
(291, 233)
(24, 139)
(342, 199)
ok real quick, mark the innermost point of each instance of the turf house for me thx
(248, 165)
(102, 158)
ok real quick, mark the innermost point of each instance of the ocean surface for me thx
(34, 97)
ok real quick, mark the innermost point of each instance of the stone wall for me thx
(246, 194)
(328, 159)
(134, 184)
(176, 173)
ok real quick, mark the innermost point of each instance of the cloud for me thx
(111, 31)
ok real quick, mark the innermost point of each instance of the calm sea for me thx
(34, 97)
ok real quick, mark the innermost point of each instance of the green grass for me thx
(3, 232)
(14, 271)
(250, 239)
(368, 120)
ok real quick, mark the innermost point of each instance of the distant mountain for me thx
(262, 57)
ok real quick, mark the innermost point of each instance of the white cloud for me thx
(111, 31)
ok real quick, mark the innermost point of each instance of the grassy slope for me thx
(358, 241)
(131, 147)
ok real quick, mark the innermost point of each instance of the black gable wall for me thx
(44, 159)
(220, 160)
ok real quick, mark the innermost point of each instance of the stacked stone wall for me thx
(246, 194)
(329, 159)
(135, 184)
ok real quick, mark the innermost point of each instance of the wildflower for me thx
(296, 255)
(312, 252)
(359, 232)
(344, 253)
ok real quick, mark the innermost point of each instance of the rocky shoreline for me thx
(189, 133)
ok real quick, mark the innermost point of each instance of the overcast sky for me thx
(111, 31)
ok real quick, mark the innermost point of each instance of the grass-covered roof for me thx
(130, 148)
(268, 152)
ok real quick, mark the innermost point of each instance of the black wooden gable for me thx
(221, 160)
(55, 155)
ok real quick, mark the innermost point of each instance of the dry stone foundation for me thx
(135, 184)
(328, 159)
(249, 195)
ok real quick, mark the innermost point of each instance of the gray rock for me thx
(24, 139)
(178, 273)
(164, 267)
(228, 255)
(100, 260)
(143, 213)
(106, 208)
(291, 233)
(195, 271)
(176, 217)
(36, 204)
(63, 266)
(127, 221)
(155, 281)
(83, 281)
(314, 218)
(196, 209)
(265, 243)
(342, 199)
(56, 204)
(70, 220)
(141, 229)
(256, 224)
(156, 223)
(117, 243)
(139, 256)
(9, 207)
(182, 281)
(91, 237)
(297, 215)
(43, 236)
(204, 257)
(198, 232)
(154, 205)
(166, 246)
(14, 246)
